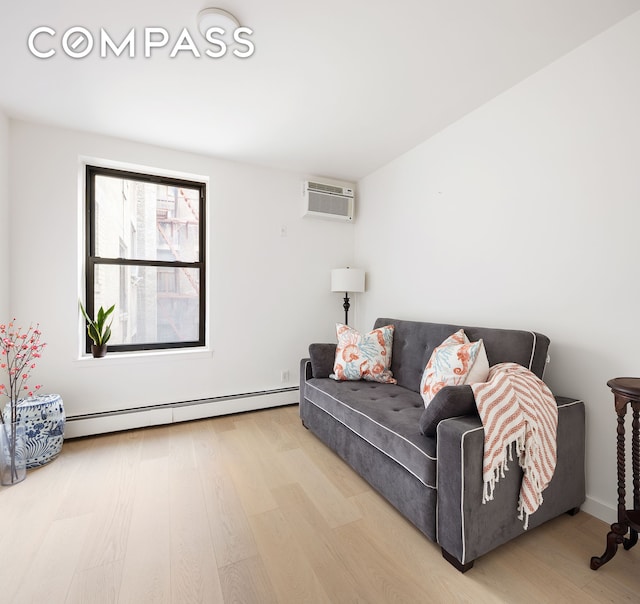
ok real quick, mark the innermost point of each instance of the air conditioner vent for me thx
(318, 186)
(325, 200)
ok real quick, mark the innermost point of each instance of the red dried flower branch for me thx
(18, 352)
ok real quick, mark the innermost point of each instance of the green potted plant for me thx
(98, 329)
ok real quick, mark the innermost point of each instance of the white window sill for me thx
(146, 356)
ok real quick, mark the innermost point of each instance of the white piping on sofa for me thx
(373, 444)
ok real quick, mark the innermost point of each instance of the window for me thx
(145, 251)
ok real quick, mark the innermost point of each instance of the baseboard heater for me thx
(169, 413)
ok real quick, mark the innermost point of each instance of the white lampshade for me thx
(347, 280)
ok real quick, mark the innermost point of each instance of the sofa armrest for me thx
(305, 374)
(460, 447)
(467, 528)
(322, 358)
(319, 364)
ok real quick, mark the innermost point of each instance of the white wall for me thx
(525, 214)
(269, 294)
(4, 218)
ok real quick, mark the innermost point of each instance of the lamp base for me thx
(346, 307)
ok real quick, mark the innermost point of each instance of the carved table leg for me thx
(620, 528)
(632, 540)
(635, 458)
(614, 538)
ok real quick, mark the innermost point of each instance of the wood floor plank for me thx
(331, 562)
(85, 487)
(263, 434)
(227, 522)
(422, 558)
(155, 442)
(96, 585)
(569, 553)
(247, 582)
(147, 561)
(515, 582)
(247, 469)
(379, 570)
(207, 446)
(318, 485)
(274, 428)
(290, 571)
(608, 588)
(55, 562)
(193, 561)
(113, 500)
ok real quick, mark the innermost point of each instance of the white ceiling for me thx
(335, 88)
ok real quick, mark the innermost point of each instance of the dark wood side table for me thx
(626, 392)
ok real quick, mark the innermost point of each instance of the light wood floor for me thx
(253, 508)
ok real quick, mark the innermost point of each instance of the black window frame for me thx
(91, 260)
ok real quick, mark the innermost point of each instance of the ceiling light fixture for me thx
(217, 17)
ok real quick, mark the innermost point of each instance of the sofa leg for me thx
(573, 511)
(463, 568)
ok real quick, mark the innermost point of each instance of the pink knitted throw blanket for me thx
(516, 406)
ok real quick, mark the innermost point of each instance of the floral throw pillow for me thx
(364, 356)
(456, 361)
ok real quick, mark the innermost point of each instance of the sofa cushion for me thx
(451, 401)
(449, 365)
(364, 356)
(480, 369)
(385, 415)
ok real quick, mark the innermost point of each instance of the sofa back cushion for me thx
(414, 341)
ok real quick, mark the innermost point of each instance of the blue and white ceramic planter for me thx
(44, 420)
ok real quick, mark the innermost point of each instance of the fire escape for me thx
(168, 221)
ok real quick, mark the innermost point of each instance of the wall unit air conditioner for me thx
(324, 200)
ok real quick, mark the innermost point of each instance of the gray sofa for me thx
(428, 463)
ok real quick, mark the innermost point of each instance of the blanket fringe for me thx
(496, 474)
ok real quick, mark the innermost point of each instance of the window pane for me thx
(145, 220)
(153, 304)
